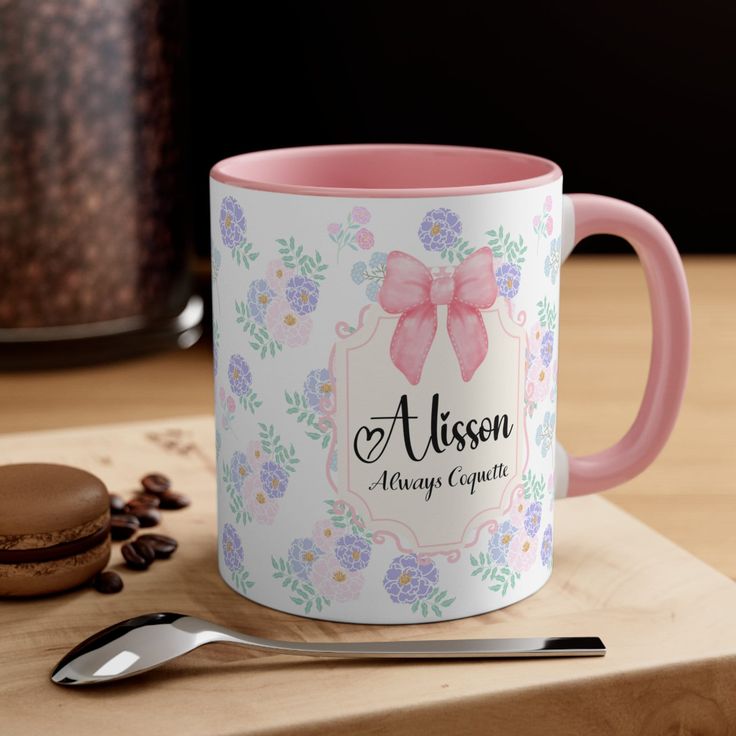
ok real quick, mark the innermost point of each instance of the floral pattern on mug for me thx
(546, 548)
(311, 405)
(227, 408)
(545, 433)
(440, 231)
(335, 581)
(543, 223)
(276, 311)
(352, 234)
(326, 534)
(371, 273)
(302, 555)
(552, 261)
(509, 255)
(541, 371)
(261, 507)
(233, 227)
(515, 545)
(234, 475)
(411, 579)
(234, 558)
(241, 384)
(215, 346)
(329, 565)
(534, 487)
(257, 479)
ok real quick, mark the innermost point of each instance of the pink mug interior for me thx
(386, 170)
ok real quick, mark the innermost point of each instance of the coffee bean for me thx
(144, 549)
(148, 498)
(162, 545)
(147, 515)
(124, 526)
(117, 504)
(156, 483)
(137, 556)
(108, 582)
(171, 501)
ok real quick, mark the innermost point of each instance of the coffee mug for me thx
(386, 324)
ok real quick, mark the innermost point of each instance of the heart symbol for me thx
(368, 435)
(444, 415)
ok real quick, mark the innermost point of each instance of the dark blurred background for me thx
(634, 100)
(112, 113)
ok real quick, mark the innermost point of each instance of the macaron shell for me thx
(38, 498)
(42, 578)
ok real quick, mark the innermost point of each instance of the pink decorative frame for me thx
(480, 521)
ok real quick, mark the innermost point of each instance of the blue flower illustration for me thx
(239, 469)
(440, 229)
(302, 294)
(239, 375)
(318, 386)
(353, 552)
(545, 433)
(407, 579)
(499, 543)
(302, 554)
(259, 296)
(378, 259)
(507, 278)
(533, 518)
(274, 479)
(552, 261)
(371, 291)
(358, 272)
(232, 548)
(546, 551)
(547, 347)
(232, 222)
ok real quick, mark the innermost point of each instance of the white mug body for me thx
(386, 396)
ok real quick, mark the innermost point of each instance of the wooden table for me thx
(666, 617)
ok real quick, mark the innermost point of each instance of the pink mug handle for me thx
(590, 214)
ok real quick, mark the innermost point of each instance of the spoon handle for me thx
(564, 646)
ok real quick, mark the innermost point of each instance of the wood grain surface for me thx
(689, 494)
(666, 617)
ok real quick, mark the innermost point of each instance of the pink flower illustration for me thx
(262, 507)
(360, 215)
(278, 275)
(256, 455)
(547, 203)
(230, 403)
(333, 228)
(535, 222)
(522, 552)
(223, 395)
(538, 380)
(535, 338)
(364, 238)
(518, 510)
(334, 581)
(325, 534)
(286, 326)
(549, 225)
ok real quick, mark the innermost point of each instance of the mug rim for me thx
(531, 171)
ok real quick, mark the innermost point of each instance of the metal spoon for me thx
(142, 643)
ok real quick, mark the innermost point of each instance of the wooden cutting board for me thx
(667, 619)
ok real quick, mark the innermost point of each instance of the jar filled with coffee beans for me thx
(94, 216)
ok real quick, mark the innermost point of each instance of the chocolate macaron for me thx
(54, 528)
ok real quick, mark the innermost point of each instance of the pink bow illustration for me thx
(410, 289)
